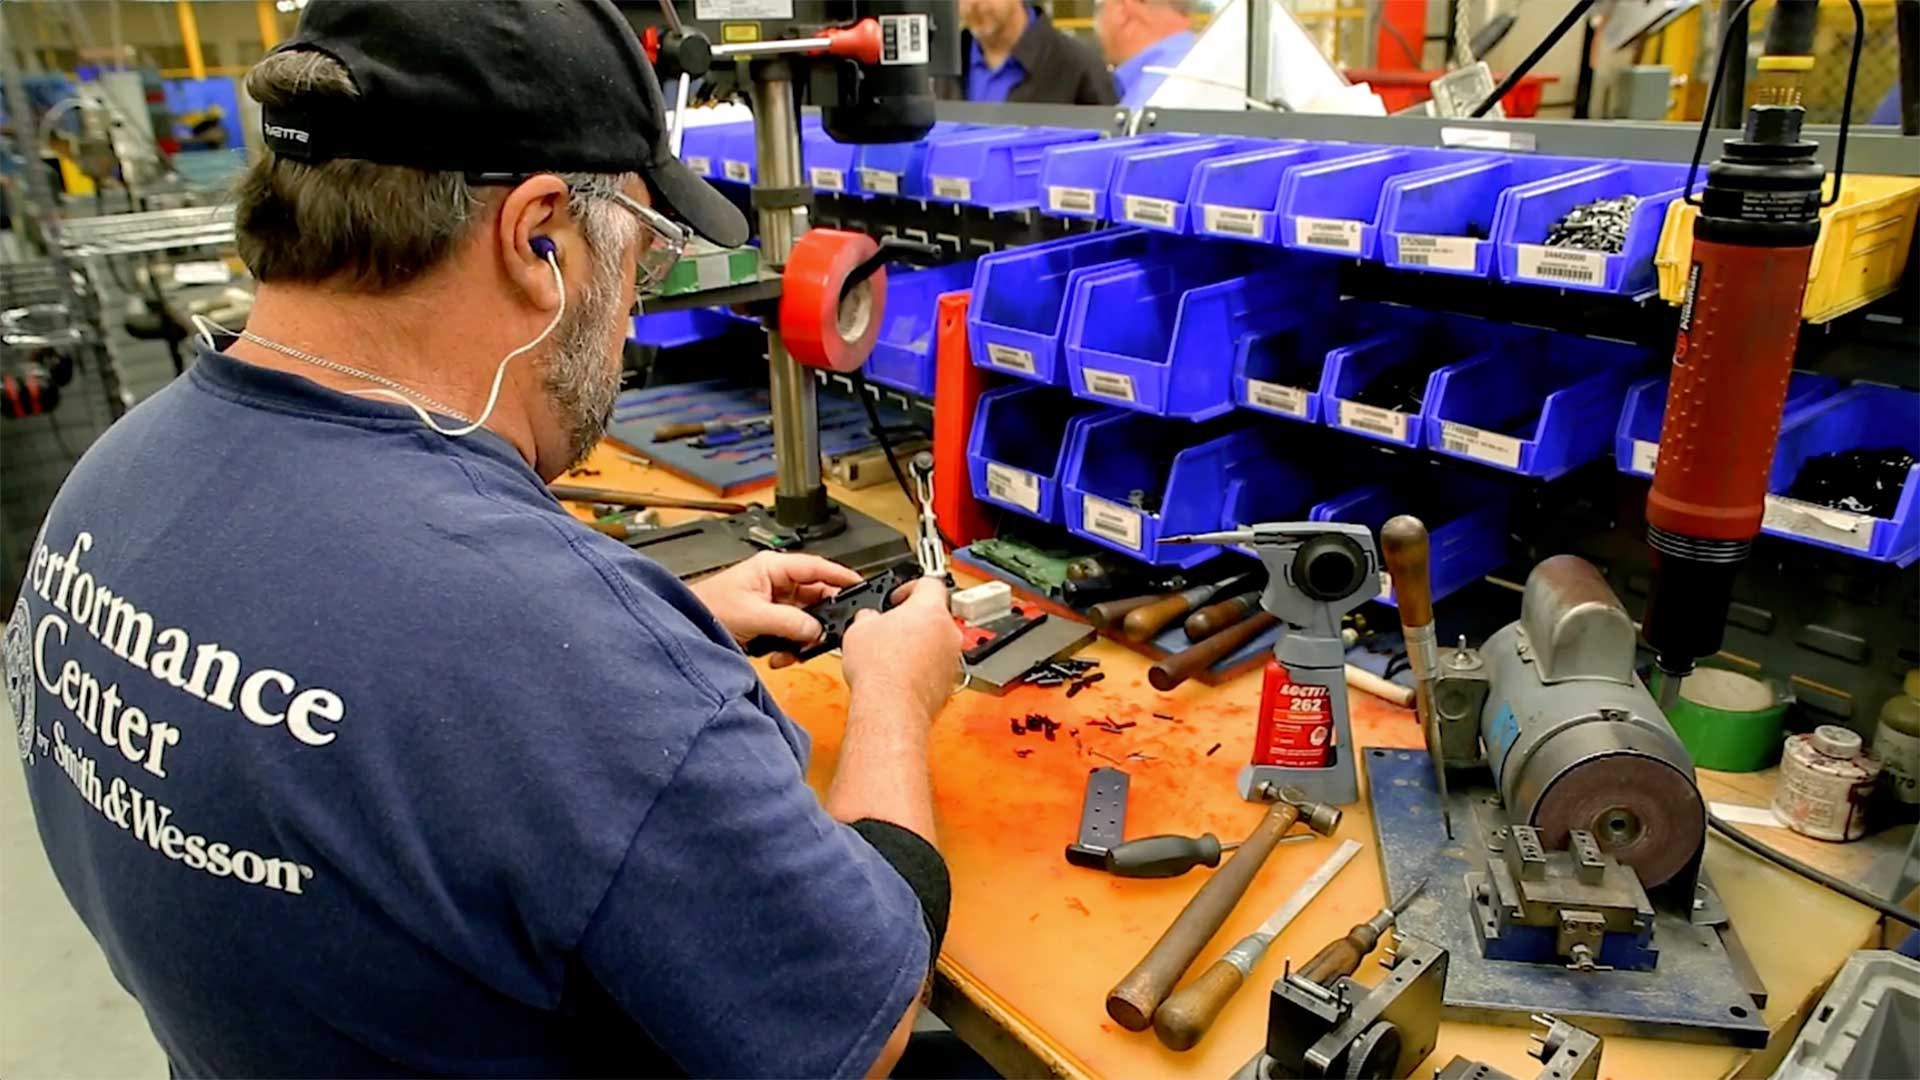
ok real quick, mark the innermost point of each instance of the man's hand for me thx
(909, 653)
(764, 595)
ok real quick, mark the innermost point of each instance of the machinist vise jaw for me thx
(1347, 1029)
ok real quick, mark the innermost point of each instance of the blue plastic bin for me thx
(1430, 346)
(672, 329)
(1334, 205)
(1279, 371)
(1017, 320)
(1075, 177)
(1529, 212)
(831, 166)
(1636, 439)
(1161, 337)
(702, 148)
(1150, 187)
(998, 169)
(1861, 417)
(901, 168)
(1018, 444)
(903, 357)
(1538, 408)
(735, 160)
(1466, 519)
(1234, 196)
(1114, 454)
(1443, 220)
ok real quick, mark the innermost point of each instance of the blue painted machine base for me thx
(1694, 995)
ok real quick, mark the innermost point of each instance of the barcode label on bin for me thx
(1015, 486)
(741, 171)
(1277, 398)
(1445, 252)
(1819, 523)
(1012, 359)
(828, 179)
(880, 181)
(1110, 384)
(701, 164)
(1232, 220)
(1480, 445)
(952, 187)
(1337, 234)
(1561, 266)
(1070, 200)
(1371, 418)
(1142, 210)
(1120, 524)
(1645, 456)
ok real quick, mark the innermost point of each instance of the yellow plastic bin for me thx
(1858, 259)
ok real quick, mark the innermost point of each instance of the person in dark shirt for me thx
(1014, 53)
(357, 753)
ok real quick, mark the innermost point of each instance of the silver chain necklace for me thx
(321, 361)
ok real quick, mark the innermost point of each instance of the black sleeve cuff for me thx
(924, 870)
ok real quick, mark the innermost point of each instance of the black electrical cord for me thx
(1788, 862)
(879, 429)
(1573, 16)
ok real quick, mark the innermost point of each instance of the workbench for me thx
(1034, 943)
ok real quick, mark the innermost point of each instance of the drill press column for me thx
(800, 499)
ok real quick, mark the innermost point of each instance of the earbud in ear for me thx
(544, 247)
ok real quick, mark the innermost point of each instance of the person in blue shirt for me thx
(1014, 53)
(1138, 34)
(359, 755)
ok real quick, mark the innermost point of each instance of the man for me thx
(357, 753)
(1138, 34)
(1015, 54)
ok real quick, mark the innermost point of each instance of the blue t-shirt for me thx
(1135, 82)
(359, 755)
(988, 83)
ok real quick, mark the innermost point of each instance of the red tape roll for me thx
(822, 329)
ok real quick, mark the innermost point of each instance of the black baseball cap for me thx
(512, 87)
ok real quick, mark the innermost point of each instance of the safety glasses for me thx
(661, 248)
(662, 245)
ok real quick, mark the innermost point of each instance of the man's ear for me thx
(534, 226)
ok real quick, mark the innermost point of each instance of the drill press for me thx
(867, 64)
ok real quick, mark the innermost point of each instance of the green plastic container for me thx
(1745, 735)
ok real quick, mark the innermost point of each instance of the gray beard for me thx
(580, 382)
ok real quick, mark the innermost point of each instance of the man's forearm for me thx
(883, 764)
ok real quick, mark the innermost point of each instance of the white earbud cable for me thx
(206, 326)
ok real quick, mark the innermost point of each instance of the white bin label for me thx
(952, 187)
(1480, 445)
(1335, 233)
(880, 181)
(1377, 420)
(1012, 359)
(1142, 210)
(1071, 200)
(1645, 456)
(1445, 252)
(741, 171)
(1819, 523)
(1277, 398)
(1561, 266)
(1121, 524)
(1232, 220)
(828, 179)
(1110, 384)
(701, 164)
(1016, 486)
